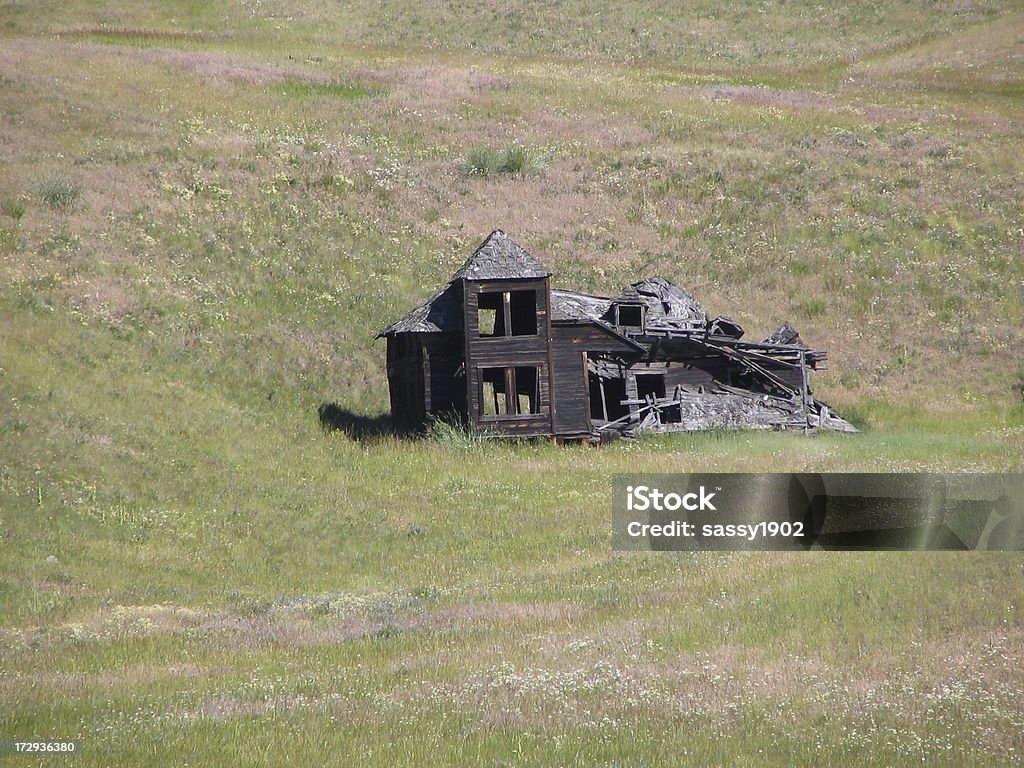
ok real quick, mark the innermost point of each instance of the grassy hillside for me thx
(207, 210)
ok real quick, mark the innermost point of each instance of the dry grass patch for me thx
(440, 90)
(579, 132)
(986, 58)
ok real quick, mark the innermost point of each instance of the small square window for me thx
(631, 315)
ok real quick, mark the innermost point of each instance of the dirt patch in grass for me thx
(554, 214)
(214, 68)
(306, 622)
(305, 628)
(849, 104)
(217, 68)
(108, 297)
(972, 680)
(985, 58)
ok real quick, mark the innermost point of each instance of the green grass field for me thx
(207, 210)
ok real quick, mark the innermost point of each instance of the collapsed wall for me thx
(699, 374)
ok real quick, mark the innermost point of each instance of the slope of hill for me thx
(208, 209)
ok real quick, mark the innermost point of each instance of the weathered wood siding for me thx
(444, 375)
(405, 379)
(569, 363)
(569, 348)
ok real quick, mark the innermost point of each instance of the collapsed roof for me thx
(667, 305)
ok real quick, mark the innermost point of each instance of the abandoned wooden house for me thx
(502, 349)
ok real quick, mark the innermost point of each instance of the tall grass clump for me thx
(483, 161)
(13, 207)
(59, 192)
(514, 161)
(452, 431)
(1018, 384)
(301, 89)
(520, 161)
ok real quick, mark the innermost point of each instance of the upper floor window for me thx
(631, 315)
(507, 313)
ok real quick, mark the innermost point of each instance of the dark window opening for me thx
(507, 313)
(672, 414)
(509, 391)
(523, 312)
(629, 314)
(650, 385)
(606, 396)
(598, 410)
(447, 385)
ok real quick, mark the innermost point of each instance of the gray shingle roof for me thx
(499, 258)
(440, 314)
(572, 305)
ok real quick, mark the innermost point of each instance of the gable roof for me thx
(500, 258)
(629, 295)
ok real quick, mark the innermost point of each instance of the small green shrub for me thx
(483, 161)
(515, 161)
(521, 161)
(13, 207)
(59, 192)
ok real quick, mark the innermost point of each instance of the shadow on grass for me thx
(358, 426)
